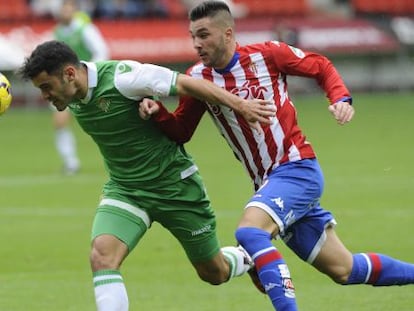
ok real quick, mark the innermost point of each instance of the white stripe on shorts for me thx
(128, 207)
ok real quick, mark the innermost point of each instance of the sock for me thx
(380, 270)
(110, 292)
(66, 147)
(271, 267)
(238, 260)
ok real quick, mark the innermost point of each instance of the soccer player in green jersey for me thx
(151, 178)
(77, 30)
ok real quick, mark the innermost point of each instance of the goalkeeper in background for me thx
(75, 29)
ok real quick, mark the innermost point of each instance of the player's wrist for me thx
(347, 99)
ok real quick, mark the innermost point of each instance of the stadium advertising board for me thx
(162, 41)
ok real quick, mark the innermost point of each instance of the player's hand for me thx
(343, 112)
(147, 108)
(256, 111)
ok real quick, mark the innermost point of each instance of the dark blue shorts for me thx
(291, 196)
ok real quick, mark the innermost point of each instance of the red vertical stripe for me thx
(208, 75)
(247, 65)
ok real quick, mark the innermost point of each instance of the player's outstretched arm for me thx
(254, 110)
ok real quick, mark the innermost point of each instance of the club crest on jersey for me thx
(103, 104)
(253, 68)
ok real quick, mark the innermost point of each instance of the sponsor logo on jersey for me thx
(245, 91)
(250, 90)
(202, 230)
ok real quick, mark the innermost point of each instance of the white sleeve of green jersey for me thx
(135, 80)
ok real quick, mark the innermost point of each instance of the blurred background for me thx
(371, 42)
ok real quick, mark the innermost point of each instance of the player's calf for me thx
(271, 268)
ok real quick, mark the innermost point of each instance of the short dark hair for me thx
(207, 9)
(49, 56)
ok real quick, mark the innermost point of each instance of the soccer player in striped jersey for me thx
(151, 178)
(280, 161)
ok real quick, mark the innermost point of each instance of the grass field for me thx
(45, 218)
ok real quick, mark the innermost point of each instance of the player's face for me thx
(67, 12)
(209, 41)
(58, 89)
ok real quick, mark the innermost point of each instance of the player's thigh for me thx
(112, 218)
(189, 217)
(307, 236)
(288, 194)
(334, 259)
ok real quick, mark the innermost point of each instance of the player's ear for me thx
(69, 73)
(228, 34)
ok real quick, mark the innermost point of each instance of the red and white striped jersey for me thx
(258, 71)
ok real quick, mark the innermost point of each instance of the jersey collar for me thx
(230, 65)
(92, 80)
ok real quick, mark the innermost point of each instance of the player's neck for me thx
(82, 82)
(227, 57)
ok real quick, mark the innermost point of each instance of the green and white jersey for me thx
(73, 36)
(135, 152)
(84, 38)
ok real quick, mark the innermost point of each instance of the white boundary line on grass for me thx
(47, 211)
(29, 180)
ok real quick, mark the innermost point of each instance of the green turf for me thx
(45, 218)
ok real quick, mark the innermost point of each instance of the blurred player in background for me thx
(151, 178)
(76, 29)
(281, 163)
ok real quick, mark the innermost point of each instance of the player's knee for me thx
(102, 258)
(340, 275)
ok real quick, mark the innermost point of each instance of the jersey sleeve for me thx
(95, 43)
(180, 125)
(294, 61)
(135, 80)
